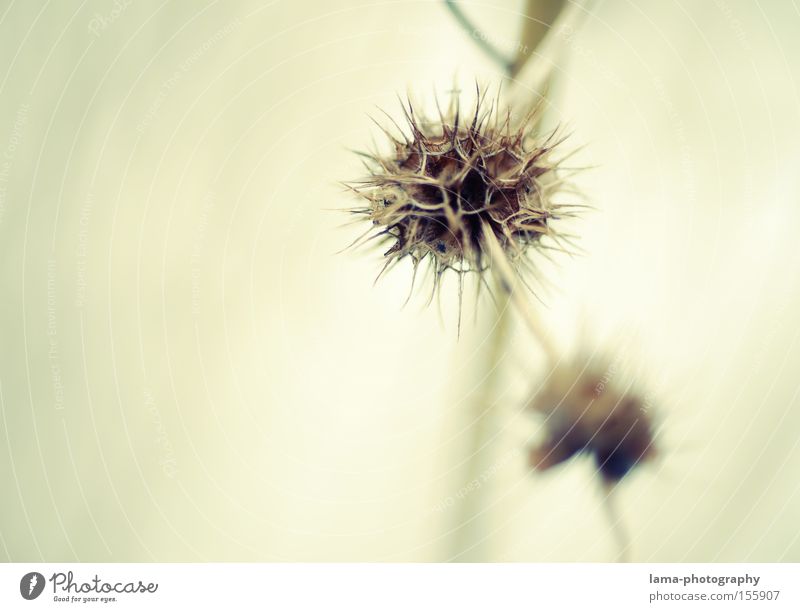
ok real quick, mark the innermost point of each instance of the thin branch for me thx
(510, 282)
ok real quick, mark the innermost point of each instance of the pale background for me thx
(190, 372)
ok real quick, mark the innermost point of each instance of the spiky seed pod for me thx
(586, 411)
(447, 182)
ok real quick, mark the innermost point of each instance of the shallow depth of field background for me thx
(189, 371)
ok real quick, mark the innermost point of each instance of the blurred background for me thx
(190, 372)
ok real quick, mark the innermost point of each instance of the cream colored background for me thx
(190, 372)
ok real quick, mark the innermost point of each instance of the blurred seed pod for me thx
(587, 410)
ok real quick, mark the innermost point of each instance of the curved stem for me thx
(509, 281)
(617, 526)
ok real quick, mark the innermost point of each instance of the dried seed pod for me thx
(588, 411)
(447, 182)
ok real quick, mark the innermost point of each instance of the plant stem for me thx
(471, 521)
(510, 283)
(615, 521)
(539, 18)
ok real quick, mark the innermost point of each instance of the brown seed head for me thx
(587, 410)
(448, 181)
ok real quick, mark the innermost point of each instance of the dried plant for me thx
(484, 194)
(449, 187)
(586, 412)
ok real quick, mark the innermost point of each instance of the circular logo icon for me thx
(31, 585)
